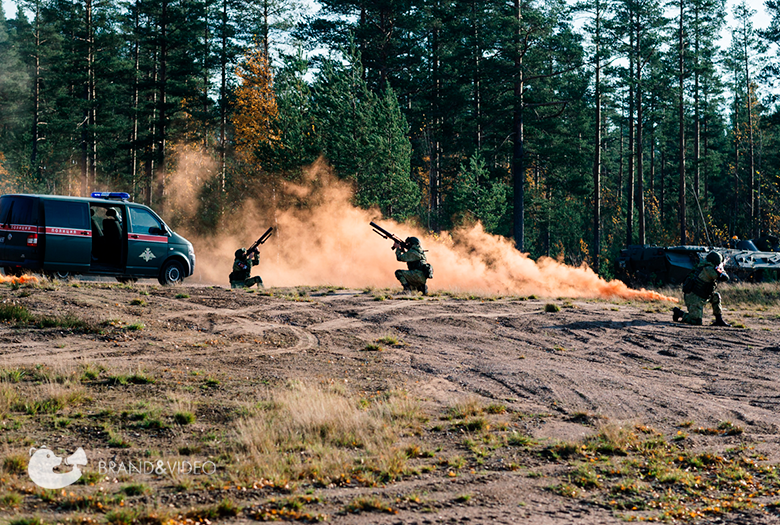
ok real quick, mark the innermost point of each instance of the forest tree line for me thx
(574, 129)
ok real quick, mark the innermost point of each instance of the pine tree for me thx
(14, 79)
(364, 136)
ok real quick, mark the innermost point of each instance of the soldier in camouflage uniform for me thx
(699, 290)
(240, 277)
(416, 276)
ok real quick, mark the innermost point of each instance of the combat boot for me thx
(719, 321)
(677, 314)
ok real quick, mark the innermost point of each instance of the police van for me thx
(101, 235)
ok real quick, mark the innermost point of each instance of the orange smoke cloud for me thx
(23, 279)
(325, 239)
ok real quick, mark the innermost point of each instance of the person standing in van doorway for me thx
(241, 277)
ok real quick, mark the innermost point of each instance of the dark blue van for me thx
(102, 235)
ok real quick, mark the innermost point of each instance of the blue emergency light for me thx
(110, 195)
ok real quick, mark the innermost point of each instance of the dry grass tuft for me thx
(325, 436)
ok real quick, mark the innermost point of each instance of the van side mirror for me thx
(154, 230)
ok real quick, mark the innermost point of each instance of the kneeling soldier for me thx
(699, 289)
(240, 277)
(419, 270)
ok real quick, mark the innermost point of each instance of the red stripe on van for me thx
(29, 228)
(147, 238)
(70, 232)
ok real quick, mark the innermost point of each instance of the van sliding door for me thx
(68, 242)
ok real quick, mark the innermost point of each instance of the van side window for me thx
(142, 221)
(23, 211)
(63, 214)
(5, 207)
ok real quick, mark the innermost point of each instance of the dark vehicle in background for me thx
(102, 235)
(644, 264)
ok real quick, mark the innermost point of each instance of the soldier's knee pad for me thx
(399, 274)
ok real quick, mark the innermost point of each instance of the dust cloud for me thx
(321, 238)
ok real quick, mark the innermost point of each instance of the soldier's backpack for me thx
(427, 269)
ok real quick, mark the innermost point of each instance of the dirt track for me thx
(561, 376)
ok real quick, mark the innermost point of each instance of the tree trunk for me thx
(640, 184)
(681, 116)
(754, 222)
(651, 176)
(223, 98)
(434, 182)
(620, 168)
(662, 202)
(631, 151)
(697, 117)
(597, 151)
(735, 209)
(36, 102)
(206, 76)
(518, 166)
(477, 78)
(151, 154)
(162, 103)
(136, 73)
(88, 142)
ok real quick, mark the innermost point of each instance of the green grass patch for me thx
(27, 521)
(15, 464)
(184, 418)
(390, 340)
(369, 504)
(15, 312)
(135, 489)
(11, 500)
(552, 308)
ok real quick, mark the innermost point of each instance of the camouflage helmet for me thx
(412, 241)
(714, 258)
(241, 253)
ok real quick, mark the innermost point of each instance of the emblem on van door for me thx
(147, 255)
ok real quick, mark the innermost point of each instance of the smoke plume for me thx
(22, 279)
(321, 238)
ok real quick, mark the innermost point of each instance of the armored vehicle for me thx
(101, 235)
(645, 264)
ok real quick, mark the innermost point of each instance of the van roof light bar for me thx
(111, 195)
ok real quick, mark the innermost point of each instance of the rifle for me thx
(387, 235)
(258, 242)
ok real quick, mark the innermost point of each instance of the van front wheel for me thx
(172, 273)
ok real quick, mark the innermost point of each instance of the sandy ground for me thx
(560, 375)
